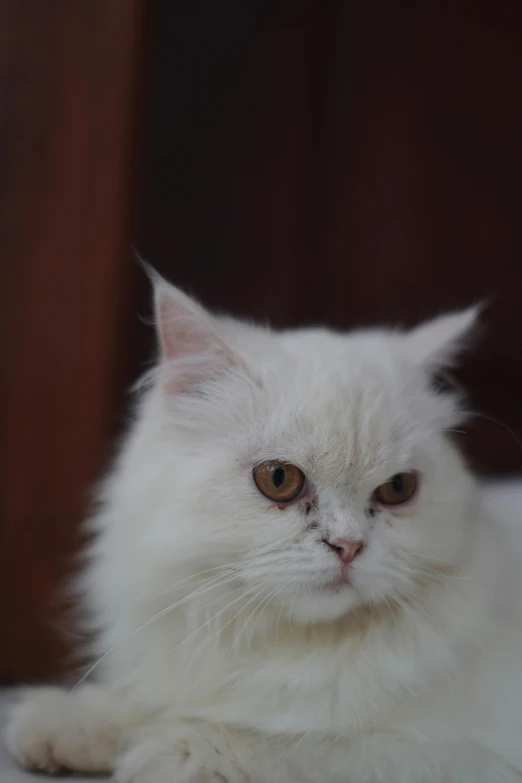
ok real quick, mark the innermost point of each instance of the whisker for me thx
(214, 617)
(425, 556)
(236, 640)
(176, 585)
(278, 621)
(509, 430)
(413, 606)
(199, 591)
(291, 606)
(262, 606)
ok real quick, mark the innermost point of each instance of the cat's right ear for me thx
(439, 342)
(191, 348)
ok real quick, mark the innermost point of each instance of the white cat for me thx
(293, 577)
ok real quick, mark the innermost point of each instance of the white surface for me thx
(9, 771)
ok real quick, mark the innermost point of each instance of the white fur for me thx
(222, 654)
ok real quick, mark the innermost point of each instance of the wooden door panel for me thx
(68, 81)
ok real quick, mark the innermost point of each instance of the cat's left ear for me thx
(440, 341)
(192, 349)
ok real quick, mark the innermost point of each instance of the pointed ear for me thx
(183, 327)
(191, 348)
(438, 343)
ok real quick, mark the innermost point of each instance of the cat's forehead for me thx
(320, 368)
(343, 428)
(333, 403)
(314, 353)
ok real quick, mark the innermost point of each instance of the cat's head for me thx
(315, 465)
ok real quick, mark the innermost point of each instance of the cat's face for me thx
(314, 465)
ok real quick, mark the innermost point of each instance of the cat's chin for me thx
(325, 603)
(336, 585)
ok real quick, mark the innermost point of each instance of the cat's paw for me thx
(186, 753)
(53, 731)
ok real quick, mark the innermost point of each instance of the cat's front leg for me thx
(191, 752)
(52, 730)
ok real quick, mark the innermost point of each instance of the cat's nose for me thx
(346, 549)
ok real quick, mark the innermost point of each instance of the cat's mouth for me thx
(341, 582)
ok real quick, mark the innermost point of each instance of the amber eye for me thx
(279, 481)
(397, 490)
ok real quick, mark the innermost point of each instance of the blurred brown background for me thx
(338, 162)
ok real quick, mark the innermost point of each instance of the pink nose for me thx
(347, 550)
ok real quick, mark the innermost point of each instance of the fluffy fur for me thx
(228, 649)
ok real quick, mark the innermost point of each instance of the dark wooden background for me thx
(342, 162)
